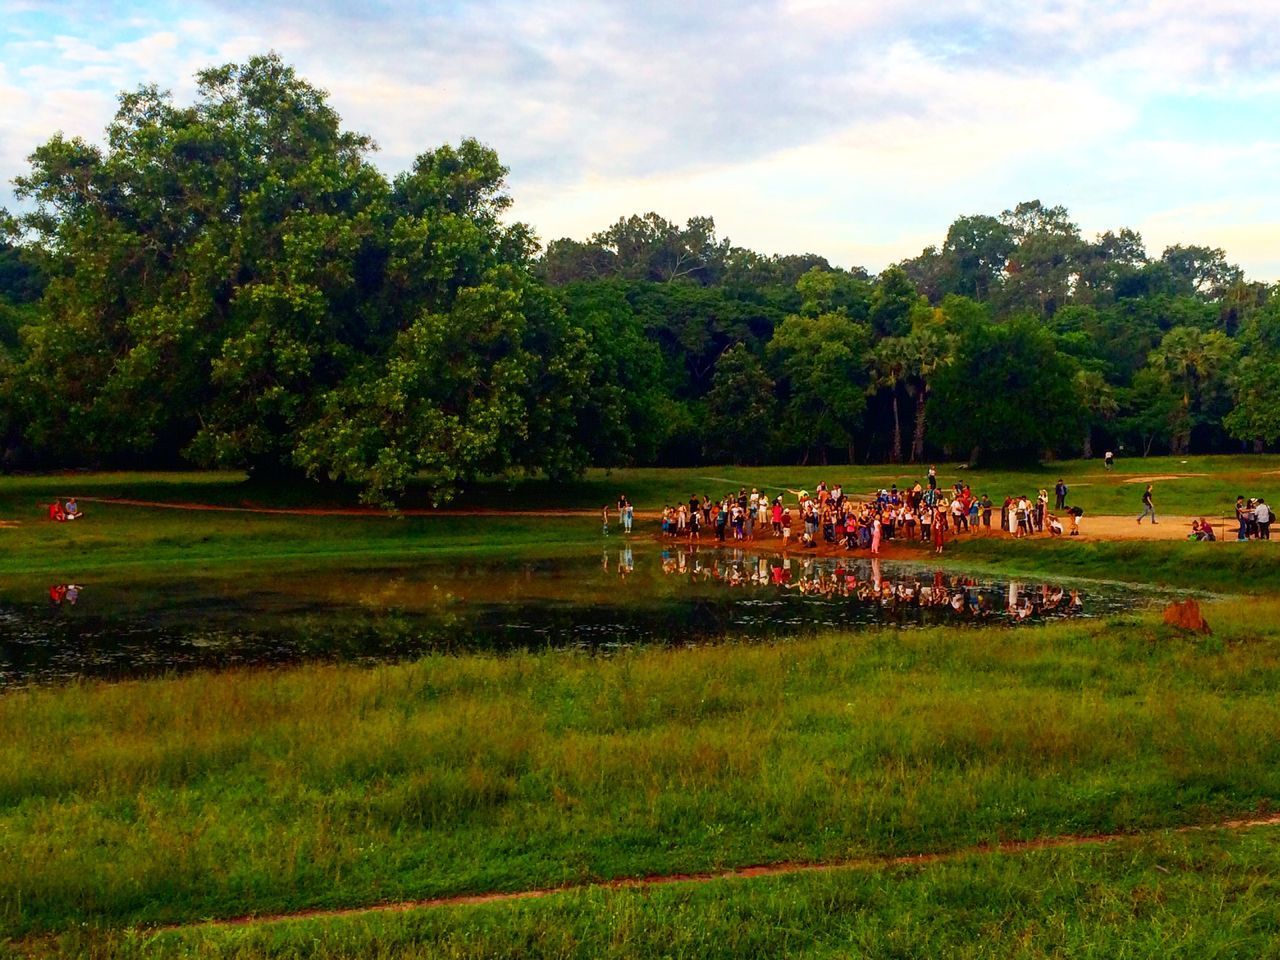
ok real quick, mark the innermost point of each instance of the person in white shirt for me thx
(1262, 516)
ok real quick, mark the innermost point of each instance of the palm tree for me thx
(928, 349)
(891, 365)
(1188, 359)
(1098, 398)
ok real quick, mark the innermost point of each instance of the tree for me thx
(1007, 394)
(492, 386)
(1041, 271)
(1098, 400)
(1255, 384)
(821, 364)
(891, 364)
(626, 413)
(1195, 364)
(1202, 271)
(740, 408)
(235, 282)
(892, 302)
(978, 248)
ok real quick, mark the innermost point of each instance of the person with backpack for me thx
(1148, 507)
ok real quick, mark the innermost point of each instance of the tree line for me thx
(234, 283)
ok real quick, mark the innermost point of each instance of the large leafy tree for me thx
(202, 267)
(1008, 393)
(740, 408)
(234, 281)
(1255, 383)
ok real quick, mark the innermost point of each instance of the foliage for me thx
(1007, 393)
(740, 407)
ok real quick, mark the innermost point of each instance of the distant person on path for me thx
(1148, 507)
(1060, 492)
(933, 477)
(1109, 459)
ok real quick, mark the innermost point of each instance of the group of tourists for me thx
(925, 513)
(1254, 518)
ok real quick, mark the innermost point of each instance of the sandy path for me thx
(1010, 847)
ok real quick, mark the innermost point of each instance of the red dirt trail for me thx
(785, 868)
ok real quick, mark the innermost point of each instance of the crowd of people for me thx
(925, 513)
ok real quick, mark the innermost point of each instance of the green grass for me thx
(219, 794)
(1249, 568)
(1189, 896)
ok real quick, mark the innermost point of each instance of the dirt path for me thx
(1011, 847)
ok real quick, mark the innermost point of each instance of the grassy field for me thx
(1189, 896)
(220, 794)
(215, 794)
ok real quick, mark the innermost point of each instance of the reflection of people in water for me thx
(941, 596)
(61, 593)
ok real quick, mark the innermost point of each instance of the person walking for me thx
(1109, 459)
(1148, 507)
(1060, 493)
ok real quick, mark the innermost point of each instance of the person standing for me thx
(604, 520)
(1242, 520)
(1060, 492)
(939, 533)
(1148, 506)
(875, 537)
(986, 504)
(933, 477)
(1262, 516)
(629, 516)
(1109, 459)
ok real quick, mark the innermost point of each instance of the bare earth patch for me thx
(1161, 479)
(1012, 847)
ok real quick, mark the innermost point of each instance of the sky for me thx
(855, 130)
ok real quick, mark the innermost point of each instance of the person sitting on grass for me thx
(1201, 530)
(72, 510)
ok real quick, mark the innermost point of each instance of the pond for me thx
(627, 595)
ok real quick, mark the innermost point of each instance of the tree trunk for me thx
(917, 441)
(1086, 448)
(896, 455)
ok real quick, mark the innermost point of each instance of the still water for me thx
(627, 595)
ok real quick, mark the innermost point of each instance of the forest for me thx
(234, 283)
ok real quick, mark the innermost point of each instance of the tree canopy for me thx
(233, 282)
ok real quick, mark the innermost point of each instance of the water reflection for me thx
(627, 595)
(875, 583)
